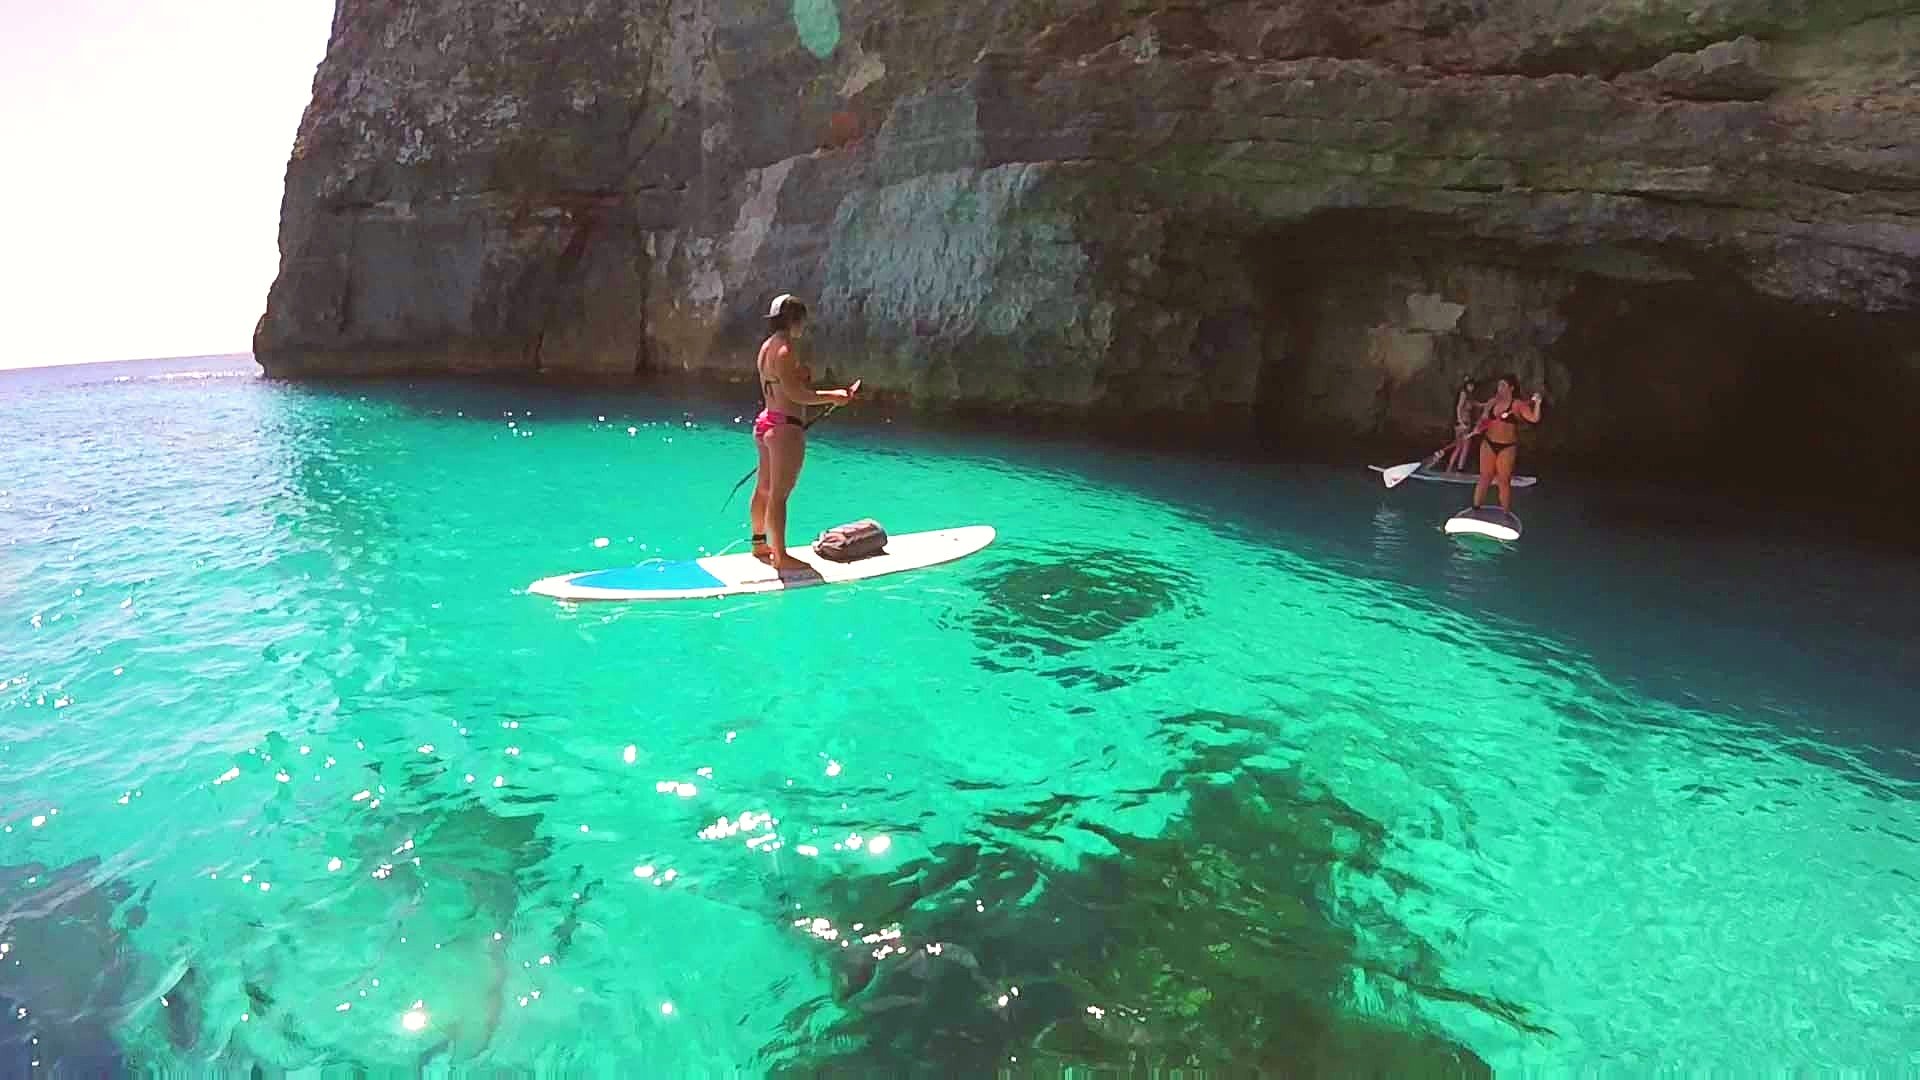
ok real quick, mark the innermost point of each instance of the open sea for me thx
(1244, 767)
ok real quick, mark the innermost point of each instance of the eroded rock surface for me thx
(1291, 216)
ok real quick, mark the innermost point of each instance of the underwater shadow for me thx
(1210, 947)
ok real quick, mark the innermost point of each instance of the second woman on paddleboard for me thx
(779, 432)
(1466, 412)
(1500, 439)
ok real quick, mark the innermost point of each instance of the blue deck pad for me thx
(651, 577)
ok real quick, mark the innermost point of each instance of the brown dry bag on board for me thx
(855, 540)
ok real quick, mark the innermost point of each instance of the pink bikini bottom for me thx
(769, 418)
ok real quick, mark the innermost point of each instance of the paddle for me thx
(855, 388)
(1393, 476)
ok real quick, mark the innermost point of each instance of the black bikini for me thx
(1496, 446)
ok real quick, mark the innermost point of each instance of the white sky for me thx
(143, 152)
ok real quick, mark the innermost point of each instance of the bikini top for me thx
(767, 384)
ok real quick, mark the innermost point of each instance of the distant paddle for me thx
(855, 388)
(1393, 476)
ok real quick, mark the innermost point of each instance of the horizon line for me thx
(247, 353)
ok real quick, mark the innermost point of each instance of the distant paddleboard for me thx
(1441, 476)
(740, 572)
(1485, 521)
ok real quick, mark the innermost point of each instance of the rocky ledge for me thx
(1688, 222)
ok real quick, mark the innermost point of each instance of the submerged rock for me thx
(69, 976)
(1236, 942)
(1300, 219)
(1041, 613)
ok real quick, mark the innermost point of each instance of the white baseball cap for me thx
(780, 303)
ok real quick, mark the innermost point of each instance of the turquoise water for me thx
(1245, 765)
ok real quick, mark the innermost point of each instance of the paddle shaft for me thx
(1435, 456)
(1395, 475)
(1478, 430)
(756, 468)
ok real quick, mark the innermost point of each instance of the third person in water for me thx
(1499, 432)
(779, 433)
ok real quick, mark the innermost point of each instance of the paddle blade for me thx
(1393, 476)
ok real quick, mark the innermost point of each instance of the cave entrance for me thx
(1710, 381)
(1650, 365)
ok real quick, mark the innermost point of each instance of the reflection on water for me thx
(1190, 765)
(1469, 561)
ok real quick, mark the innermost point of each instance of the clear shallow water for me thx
(1250, 763)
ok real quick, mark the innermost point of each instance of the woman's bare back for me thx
(776, 356)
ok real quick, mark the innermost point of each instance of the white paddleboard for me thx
(1442, 476)
(740, 572)
(1485, 521)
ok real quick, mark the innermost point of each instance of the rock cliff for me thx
(1687, 221)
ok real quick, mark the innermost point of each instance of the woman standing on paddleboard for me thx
(779, 433)
(1500, 439)
(1466, 412)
